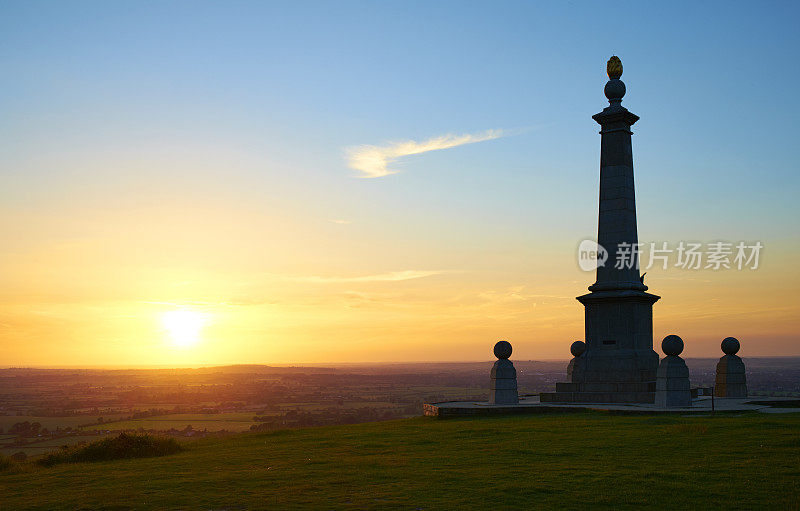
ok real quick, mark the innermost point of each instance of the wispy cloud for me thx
(394, 276)
(373, 161)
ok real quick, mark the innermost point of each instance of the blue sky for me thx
(297, 82)
(108, 106)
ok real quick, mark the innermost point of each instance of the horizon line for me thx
(321, 364)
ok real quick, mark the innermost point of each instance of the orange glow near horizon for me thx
(199, 313)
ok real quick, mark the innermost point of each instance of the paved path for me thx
(531, 404)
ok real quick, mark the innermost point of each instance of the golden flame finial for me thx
(614, 68)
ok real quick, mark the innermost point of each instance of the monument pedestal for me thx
(619, 364)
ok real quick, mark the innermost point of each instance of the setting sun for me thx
(183, 327)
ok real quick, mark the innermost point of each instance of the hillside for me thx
(555, 461)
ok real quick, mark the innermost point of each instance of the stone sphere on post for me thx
(502, 350)
(614, 90)
(577, 348)
(730, 345)
(672, 345)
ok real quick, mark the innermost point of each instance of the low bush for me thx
(7, 464)
(123, 446)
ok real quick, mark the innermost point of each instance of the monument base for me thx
(619, 364)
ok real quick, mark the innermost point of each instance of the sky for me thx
(197, 183)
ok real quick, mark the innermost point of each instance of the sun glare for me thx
(183, 327)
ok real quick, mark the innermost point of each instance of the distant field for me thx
(236, 421)
(199, 421)
(6, 421)
(574, 461)
(36, 448)
(344, 405)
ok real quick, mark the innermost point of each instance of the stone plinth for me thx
(503, 389)
(672, 383)
(731, 380)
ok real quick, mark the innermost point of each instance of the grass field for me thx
(556, 461)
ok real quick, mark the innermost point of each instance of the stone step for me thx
(597, 397)
(618, 376)
(649, 386)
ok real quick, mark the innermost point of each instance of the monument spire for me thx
(616, 228)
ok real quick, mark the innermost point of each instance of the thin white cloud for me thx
(373, 161)
(394, 276)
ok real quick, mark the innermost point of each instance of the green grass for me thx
(570, 461)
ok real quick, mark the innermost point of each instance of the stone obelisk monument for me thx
(618, 364)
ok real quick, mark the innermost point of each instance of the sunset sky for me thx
(196, 183)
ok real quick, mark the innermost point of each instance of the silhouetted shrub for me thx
(124, 446)
(7, 464)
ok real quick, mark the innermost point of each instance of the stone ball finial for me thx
(614, 68)
(577, 348)
(730, 345)
(615, 90)
(672, 345)
(502, 350)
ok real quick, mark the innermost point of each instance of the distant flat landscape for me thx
(74, 406)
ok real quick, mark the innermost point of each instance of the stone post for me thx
(672, 377)
(731, 380)
(503, 389)
(575, 366)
